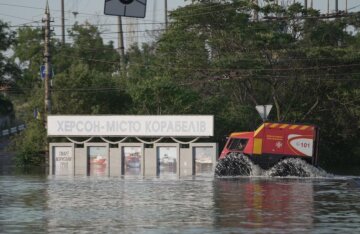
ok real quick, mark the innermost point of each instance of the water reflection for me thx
(23, 204)
(192, 205)
(99, 205)
(252, 203)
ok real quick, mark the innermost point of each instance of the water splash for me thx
(295, 167)
(236, 164)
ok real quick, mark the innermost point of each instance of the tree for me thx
(9, 71)
(84, 83)
(304, 65)
(83, 90)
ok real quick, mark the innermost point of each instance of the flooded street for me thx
(35, 204)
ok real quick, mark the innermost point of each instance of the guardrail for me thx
(13, 130)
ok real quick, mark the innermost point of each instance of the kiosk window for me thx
(237, 144)
(97, 161)
(204, 160)
(132, 160)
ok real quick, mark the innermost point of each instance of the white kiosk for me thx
(132, 145)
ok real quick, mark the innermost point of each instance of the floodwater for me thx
(38, 204)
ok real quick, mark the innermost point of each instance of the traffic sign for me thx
(43, 72)
(129, 8)
(264, 111)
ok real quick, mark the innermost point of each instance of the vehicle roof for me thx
(237, 134)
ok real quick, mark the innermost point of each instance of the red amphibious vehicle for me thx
(273, 142)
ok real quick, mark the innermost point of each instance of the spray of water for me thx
(237, 165)
(295, 167)
(240, 165)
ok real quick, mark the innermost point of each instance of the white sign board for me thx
(127, 125)
(129, 8)
(63, 158)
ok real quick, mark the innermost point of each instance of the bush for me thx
(29, 145)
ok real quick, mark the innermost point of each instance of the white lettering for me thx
(137, 126)
(130, 126)
(60, 126)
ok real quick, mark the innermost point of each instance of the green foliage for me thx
(29, 145)
(9, 71)
(305, 67)
(87, 91)
(213, 59)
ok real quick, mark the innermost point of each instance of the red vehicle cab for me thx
(273, 142)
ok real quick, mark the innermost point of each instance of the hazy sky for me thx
(18, 12)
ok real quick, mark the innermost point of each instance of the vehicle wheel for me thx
(234, 164)
(290, 167)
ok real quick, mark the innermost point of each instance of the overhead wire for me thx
(336, 77)
(17, 17)
(159, 30)
(221, 69)
(20, 91)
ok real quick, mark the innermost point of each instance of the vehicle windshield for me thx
(237, 144)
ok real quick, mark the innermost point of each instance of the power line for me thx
(16, 17)
(38, 8)
(254, 52)
(57, 10)
(71, 25)
(354, 7)
(222, 69)
(234, 78)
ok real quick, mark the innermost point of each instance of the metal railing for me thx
(13, 130)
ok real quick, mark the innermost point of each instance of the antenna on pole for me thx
(256, 13)
(336, 6)
(346, 6)
(47, 61)
(121, 46)
(166, 14)
(128, 8)
(47, 72)
(62, 22)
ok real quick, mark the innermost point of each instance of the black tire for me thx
(234, 164)
(290, 167)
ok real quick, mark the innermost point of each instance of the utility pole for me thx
(121, 46)
(311, 4)
(336, 6)
(256, 13)
(166, 15)
(62, 22)
(48, 74)
(305, 4)
(47, 61)
(328, 6)
(346, 6)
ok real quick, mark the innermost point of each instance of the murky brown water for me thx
(31, 204)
